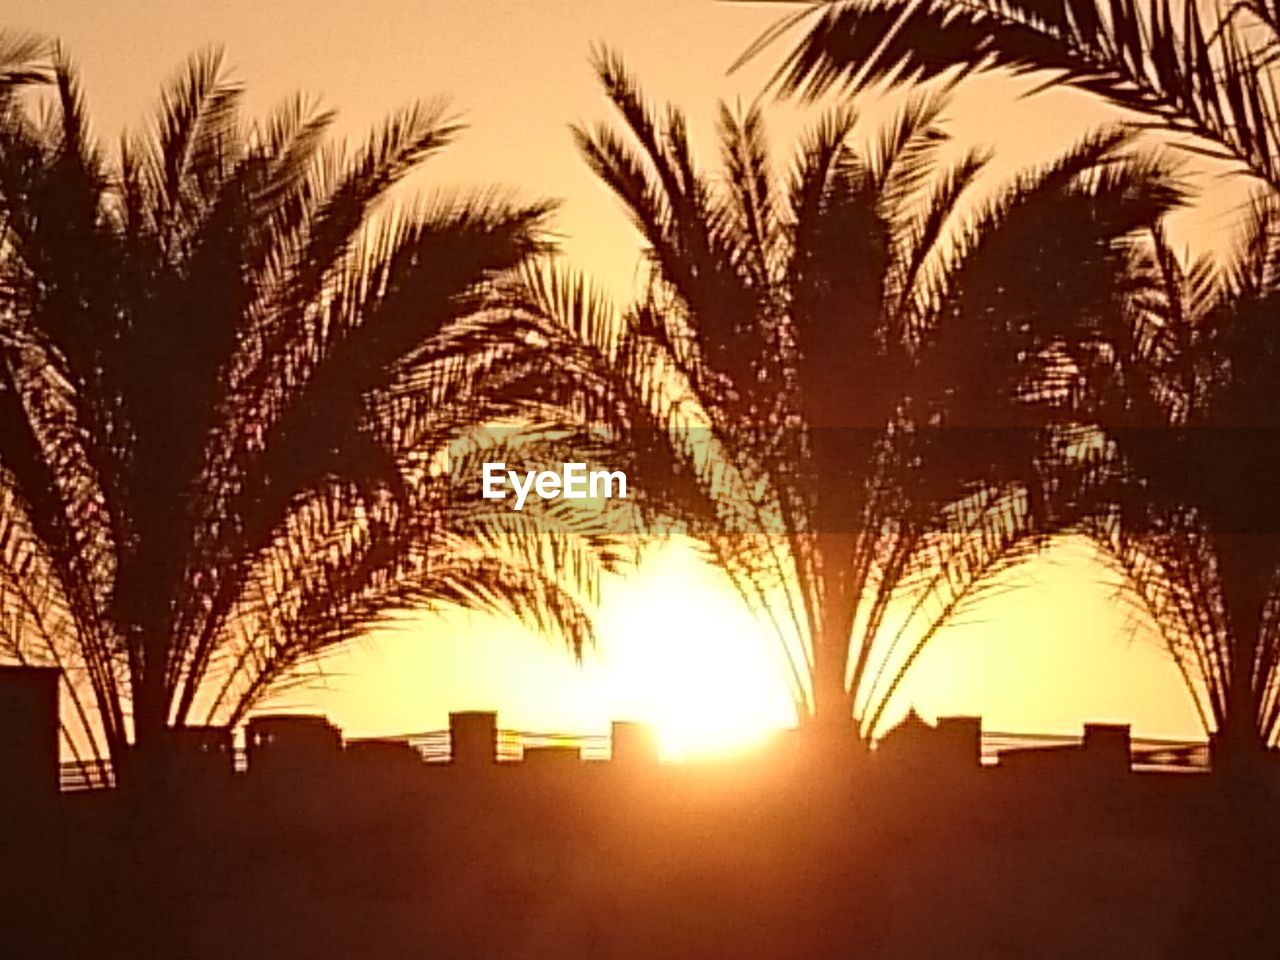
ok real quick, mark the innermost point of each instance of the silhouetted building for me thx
(1104, 752)
(291, 745)
(1107, 745)
(633, 743)
(384, 753)
(330, 849)
(912, 733)
(28, 734)
(917, 746)
(473, 738)
(960, 740)
(553, 756)
(203, 754)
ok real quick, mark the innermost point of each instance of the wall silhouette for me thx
(322, 848)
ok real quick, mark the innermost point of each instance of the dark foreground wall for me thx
(781, 856)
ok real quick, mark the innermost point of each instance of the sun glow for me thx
(684, 655)
(726, 702)
(680, 651)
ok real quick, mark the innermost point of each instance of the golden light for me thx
(682, 653)
(679, 650)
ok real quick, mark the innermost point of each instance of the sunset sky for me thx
(676, 646)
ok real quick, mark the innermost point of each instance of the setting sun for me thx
(696, 665)
(557, 481)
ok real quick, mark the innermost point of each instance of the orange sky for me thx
(676, 647)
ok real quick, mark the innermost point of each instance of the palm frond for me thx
(857, 383)
(1149, 56)
(223, 393)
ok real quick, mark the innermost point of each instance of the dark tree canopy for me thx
(856, 363)
(225, 389)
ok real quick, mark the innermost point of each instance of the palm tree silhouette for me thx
(1187, 396)
(225, 390)
(860, 388)
(1209, 74)
(1183, 484)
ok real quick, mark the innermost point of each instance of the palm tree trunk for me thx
(143, 765)
(832, 699)
(1239, 745)
(832, 704)
(1230, 915)
(153, 806)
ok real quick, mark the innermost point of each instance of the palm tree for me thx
(1198, 541)
(1182, 480)
(229, 396)
(1207, 73)
(851, 389)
